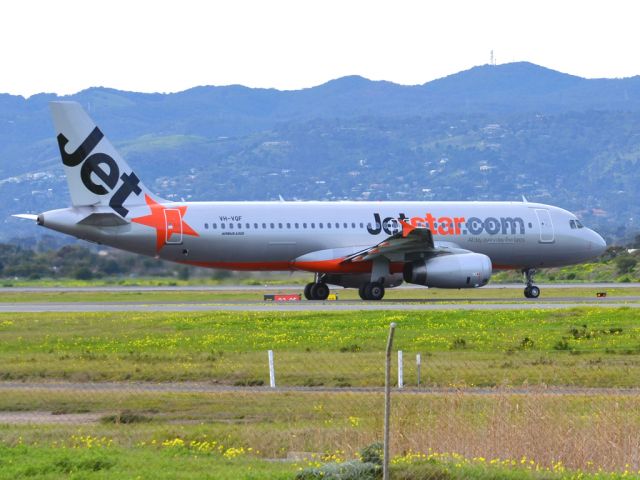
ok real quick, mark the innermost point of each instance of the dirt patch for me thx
(21, 418)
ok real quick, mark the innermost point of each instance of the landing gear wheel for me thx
(530, 291)
(372, 291)
(376, 291)
(362, 293)
(307, 291)
(319, 291)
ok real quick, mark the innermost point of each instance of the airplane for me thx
(370, 246)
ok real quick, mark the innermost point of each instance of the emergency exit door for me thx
(547, 235)
(173, 223)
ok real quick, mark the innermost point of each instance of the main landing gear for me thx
(371, 291)
(530, 291)
(317, 290)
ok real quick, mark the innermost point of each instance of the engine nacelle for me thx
(459, 270)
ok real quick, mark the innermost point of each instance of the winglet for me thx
(406, 228)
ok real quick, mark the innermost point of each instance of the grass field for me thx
(463, 434)
(591, 347)
(235, 431)
(180, 462)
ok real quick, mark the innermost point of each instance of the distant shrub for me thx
(526, 342)
(372, 453)
(561, 345)
(625, 264)
(249, 382)
(125, 417)
(458, 344)
(353, 470)
(82, 273)
(67, 465)
(353, 348)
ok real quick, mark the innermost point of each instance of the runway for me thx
(307, 306)
(259, 288)
(477, 300)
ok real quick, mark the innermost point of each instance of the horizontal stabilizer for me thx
(103, 220)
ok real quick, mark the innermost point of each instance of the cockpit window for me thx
(575, 224)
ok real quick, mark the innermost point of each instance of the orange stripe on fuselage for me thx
(321, 266)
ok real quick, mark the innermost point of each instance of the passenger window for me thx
(304, 225)
(222, 226)
(362, 225)
(214, 226)
(206, 226)
(328, 224)
(248, 225)
(338, 225)
(345, 225)
(288, 225)
(353, 225)
(231, 226)
(240, 226)
(320, 225)
(264, 225)
(272, 225)
(313, 225)
(297, 225)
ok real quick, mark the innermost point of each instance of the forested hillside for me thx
(492, 132)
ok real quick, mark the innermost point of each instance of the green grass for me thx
(595, 347)
(40, 462)
(179, 462)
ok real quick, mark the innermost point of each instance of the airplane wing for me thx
(410, 240)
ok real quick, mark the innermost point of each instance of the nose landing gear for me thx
(530, 291)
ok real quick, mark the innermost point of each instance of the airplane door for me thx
(173, 224)
(547, 235)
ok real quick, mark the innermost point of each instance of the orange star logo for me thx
(168, 222)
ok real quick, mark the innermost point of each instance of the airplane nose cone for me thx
(597, 244)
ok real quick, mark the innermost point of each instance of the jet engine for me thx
(459, 270)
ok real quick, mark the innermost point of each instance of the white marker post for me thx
(272, 371)
(387, 404)
(400, 370)
(418, 363)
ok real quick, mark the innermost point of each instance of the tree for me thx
(625, 264)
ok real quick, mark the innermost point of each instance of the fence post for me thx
(400, 370)
(272, 371)
(418, 364)
(387, 403)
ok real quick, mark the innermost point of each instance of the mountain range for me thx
(491, 132)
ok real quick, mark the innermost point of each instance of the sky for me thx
(65, 46)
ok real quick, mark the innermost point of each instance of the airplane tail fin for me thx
(96, 174)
